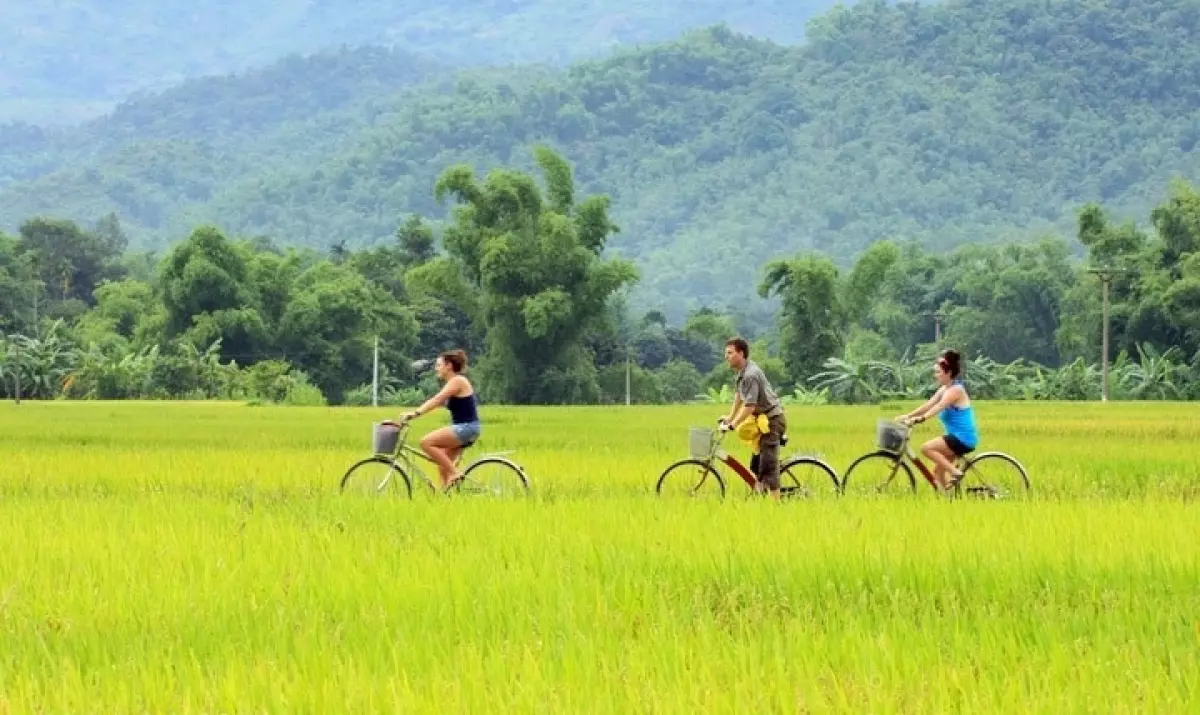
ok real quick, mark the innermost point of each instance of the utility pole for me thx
(37, 288)
(1105, 275)
(628, 373)
(937, 316)
(375, 376)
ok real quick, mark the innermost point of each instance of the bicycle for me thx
(989, 475)
(799, 475)
(395, 463)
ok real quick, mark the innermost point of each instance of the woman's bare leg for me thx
(443, 447)
(943, 459)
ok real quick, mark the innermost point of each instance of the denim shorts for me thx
(467, 432)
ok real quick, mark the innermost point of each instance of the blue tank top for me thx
(960, 422)
(462, 409)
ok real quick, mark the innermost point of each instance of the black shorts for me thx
(956, 445)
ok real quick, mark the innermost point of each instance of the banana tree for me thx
(105, 376)
(44, 363)
(1155, 375)
(716, 395)
(804, 396)
(856, 383)
(1078, 380)
(9, 372)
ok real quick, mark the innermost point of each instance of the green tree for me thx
(535, 260)
(680, 381)
(17, 287)
(208, 295)
(330, 323)
(416, 242)
(69, 261)
(811, 318)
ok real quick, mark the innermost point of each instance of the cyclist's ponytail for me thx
(952, 363)
(456, 359)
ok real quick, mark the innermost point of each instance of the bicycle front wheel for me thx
(493, 476)
(805, 477)
(880, 472)
(690, 478)
(376, 475)
(994, 475)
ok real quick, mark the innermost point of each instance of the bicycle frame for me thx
(915, 459)
(401, 456)
(715, 453)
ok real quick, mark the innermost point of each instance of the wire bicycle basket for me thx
(890, 436)
(384, 438)
(700, 442)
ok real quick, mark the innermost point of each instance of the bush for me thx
(680, 381)
(302, 393)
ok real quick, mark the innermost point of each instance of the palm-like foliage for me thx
(859, 382)
(42, 363)
(112, 376)
(716, 395)
(1155, 375)
(804, 396)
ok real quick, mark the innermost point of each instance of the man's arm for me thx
(746, 412)
(737, 406)
(749, 405)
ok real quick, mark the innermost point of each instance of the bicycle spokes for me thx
(493, 477)
(691, 479)
(369, 478)
(994, 476)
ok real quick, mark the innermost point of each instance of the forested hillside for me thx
(65, 59)
(963, 122)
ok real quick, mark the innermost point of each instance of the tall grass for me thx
(196, 558)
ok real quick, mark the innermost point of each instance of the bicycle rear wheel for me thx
(690, 478)
(880, 472)
(494, 477)
(806, 477)
(376, 475)
(993, 475)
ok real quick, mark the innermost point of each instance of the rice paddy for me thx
(176, 557)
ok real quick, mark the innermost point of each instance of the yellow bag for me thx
(752, 430)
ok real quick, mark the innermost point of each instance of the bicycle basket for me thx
(890, 435)
(384, 438)
(700, 442)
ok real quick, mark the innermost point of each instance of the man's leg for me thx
(768, 451)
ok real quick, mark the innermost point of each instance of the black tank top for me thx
(462, 409)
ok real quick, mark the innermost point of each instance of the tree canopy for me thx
(949, 123)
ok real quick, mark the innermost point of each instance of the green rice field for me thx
(198, 558)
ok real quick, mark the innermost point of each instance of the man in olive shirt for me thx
(754, 396)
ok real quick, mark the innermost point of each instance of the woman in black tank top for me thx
(446, 444)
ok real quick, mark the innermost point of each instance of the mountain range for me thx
(957, 122)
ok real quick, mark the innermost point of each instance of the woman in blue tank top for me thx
(444, 445)
(952, 404)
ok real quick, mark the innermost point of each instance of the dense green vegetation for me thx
(958, 122)
(61, 63)
(192, 558)
(521, 280)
